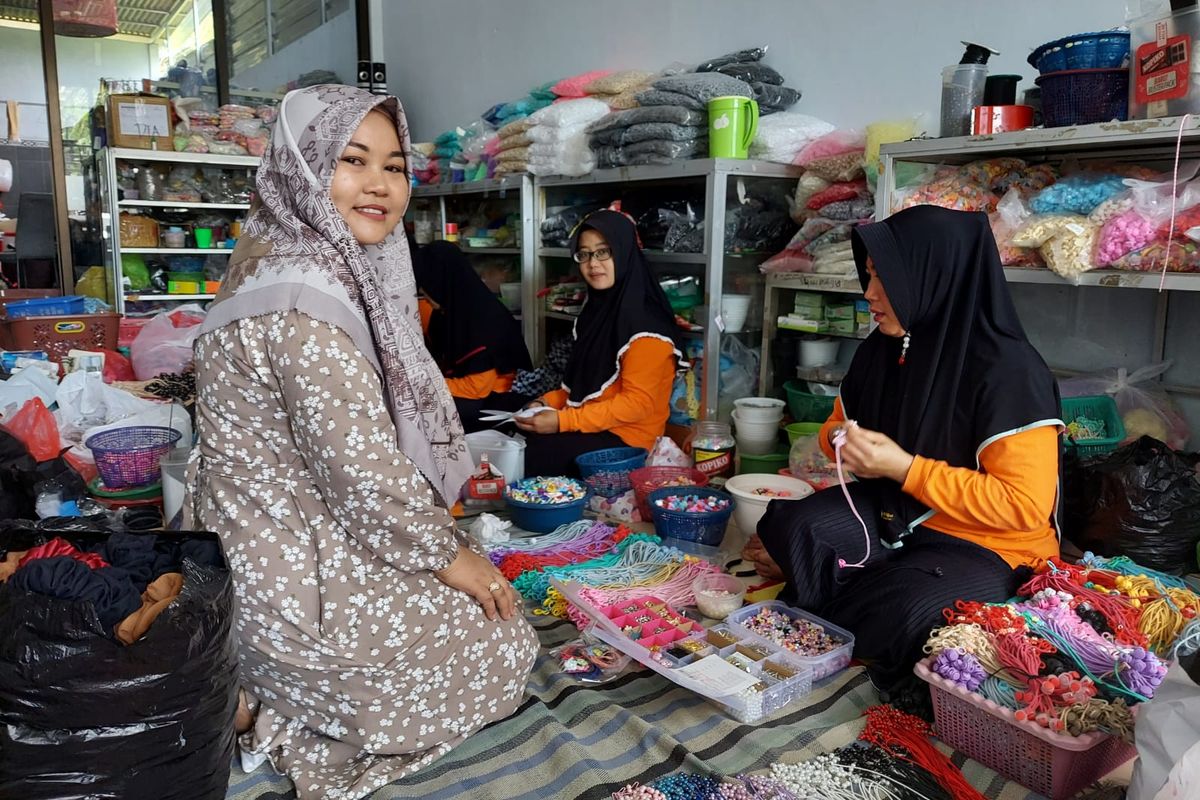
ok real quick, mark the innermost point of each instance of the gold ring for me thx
(493, 586)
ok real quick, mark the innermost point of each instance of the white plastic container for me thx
(759, 409)
(734, 310)
(962, 90)
(510, 295)
(174, 479)
(755, 437)
(751, 506)
(505, 453)
(756, 447)
(818, 352)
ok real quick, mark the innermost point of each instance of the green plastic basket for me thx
(768, 464)
(1100, 407)
(807, 407)
(798, 429)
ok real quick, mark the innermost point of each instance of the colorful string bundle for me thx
(907, 738)
(633, 559)
(675, 590)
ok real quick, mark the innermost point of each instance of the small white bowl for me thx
(718, 594)
(751, 506)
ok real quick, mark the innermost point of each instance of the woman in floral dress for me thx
(373, 640)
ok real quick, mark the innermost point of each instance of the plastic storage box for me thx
(1056, 765)
(45, 307)
(1096, 407)
(822, 666)
(59, 335)
(1163, 76)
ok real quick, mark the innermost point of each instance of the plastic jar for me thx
(712, 446)
(173, 237)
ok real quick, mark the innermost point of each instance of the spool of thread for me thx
(998, 119)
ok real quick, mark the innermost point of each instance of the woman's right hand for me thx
(478, 577)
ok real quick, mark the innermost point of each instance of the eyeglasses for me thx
(599, 254)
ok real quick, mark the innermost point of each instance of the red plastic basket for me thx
(647, 479)
(1056, 765)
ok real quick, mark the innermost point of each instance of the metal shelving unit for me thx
(113, 207)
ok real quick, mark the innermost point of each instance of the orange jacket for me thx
(635, 406)
(1006, 505)
(469, 387)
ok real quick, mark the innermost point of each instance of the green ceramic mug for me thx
(732, 123)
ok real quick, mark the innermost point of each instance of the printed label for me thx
(714, 463)
(69, 327)
(1161, 69)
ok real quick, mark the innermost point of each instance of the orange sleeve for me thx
(836, 418)
(645, 385)
(425, 309)
(1013, 490)
(556, 399)
(474, 387)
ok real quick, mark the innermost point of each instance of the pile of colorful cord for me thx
(894, 761)
(1080, 646)
(611, 563)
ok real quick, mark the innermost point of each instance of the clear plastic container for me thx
(1159, 84)
(962, 90)
(822, 666)
(718, 595)
(712, 446)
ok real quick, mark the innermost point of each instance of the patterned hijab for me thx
(297, 253)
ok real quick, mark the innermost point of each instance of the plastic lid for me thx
(174, 229)
(977, 53)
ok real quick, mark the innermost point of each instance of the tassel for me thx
(904, 347)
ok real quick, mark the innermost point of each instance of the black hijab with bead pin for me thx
(965, 374)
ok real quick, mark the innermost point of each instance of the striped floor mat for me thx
(570, 740)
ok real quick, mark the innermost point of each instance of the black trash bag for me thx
(20, 476)
(671, 227)
(739, 57)
(83, 716)
(1142, 501)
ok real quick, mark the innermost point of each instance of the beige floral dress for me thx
(367, 667)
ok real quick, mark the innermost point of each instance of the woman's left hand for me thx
(543, 422)
(871, 454)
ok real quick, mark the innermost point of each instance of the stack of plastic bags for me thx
(619, 89)
(539, 97)
(509, 151)
(831, 198)
(765, 83)
(558, 137)
(782, 136)
(618, 138)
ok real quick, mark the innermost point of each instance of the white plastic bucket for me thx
(734, 310)
(505, 453)
(174, 478)
(818, 352)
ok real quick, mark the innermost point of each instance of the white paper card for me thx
(718, 675)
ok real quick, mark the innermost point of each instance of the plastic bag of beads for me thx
(836, 156)
(947, 190)
(589, 660)
(1184, 257)
(1077, 194)
(1122, 235)
(1067, 242)
(1011, 214)
(807, 187)
(808, 462)
(737, 57)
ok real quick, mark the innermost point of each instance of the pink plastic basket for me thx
(1056, 765)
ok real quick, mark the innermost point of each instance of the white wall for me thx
(81, 65)
(855, 60)
(331, 46)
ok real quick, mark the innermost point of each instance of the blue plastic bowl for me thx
(704, 527)
(540, 518)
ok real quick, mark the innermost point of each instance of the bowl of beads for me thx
(718, 594)
(692, 513)
(820, 645)
(539, 505)
(754, 491)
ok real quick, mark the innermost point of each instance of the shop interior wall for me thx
(331, 46)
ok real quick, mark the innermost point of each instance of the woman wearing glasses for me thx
(617, 386)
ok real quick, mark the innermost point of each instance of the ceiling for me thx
(143, 19)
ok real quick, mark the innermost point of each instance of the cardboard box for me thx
(809, 301)
(839, 311)
(862, 313)
(141, 121)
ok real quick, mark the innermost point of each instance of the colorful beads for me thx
(1083, 428)
(766, 491)
(693, 503)
(547, 491)
(960, 667)
(797, 635)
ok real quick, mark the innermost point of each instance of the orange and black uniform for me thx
(617, 384)
(967, 395)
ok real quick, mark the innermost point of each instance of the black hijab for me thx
(635, 307)
(970, 374)
(470, 331)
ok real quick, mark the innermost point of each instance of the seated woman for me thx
(475, 340)
(617, 385)
(372, 639)
(956, 447)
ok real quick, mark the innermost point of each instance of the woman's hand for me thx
(478, 577)
(871, 454)
(543, 422)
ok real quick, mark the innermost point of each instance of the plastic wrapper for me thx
(835, 143)
(1011, 214)
(736, 57)
(762, 222)
(860, 208)
(1168, 741)
(1180, 257)
(772, 99)
(650, 152)
(844, 167)
(704, 86)
(1121, 235)
(556, 228)
(658, 97)
(751, 72)
(34, 426)
(163, 347)
(1145, 410)
(1067, 242)
(808, 462)
(617, 82)
(151, 719)
(1142, 501)
(589, 660)
(808, 186)
(666, 453)
(675, 115)
(848, 190)
(781, 137)
(665, 131)
(1077, 194)
(739, 370)
(570, 113)
(675, 227)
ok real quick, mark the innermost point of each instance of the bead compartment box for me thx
(822, 665)
(666, 641)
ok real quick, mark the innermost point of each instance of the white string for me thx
(1162, 281)
(839, 441)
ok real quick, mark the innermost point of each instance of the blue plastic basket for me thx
(1084, 96)
(128, 457)
(705, 527)
(1105, 50)
(541, 518)
(606, 472)
(46, 307)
